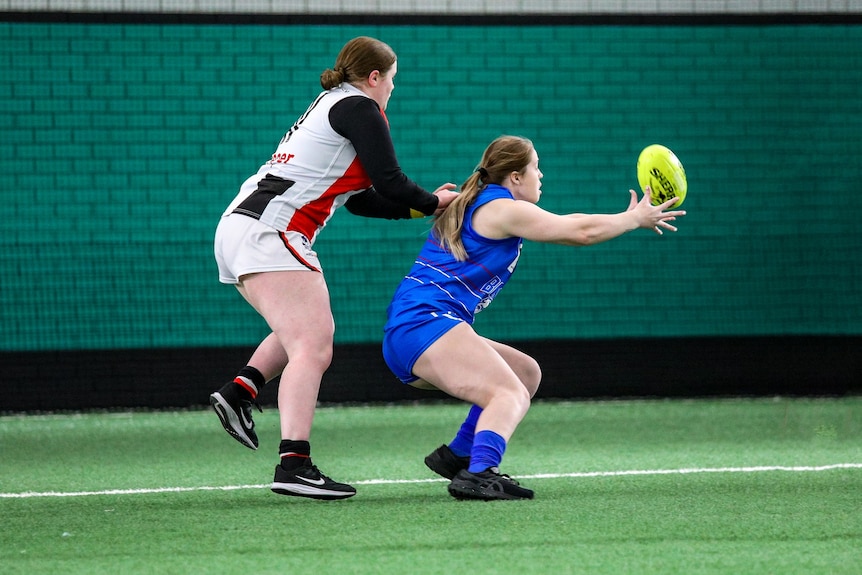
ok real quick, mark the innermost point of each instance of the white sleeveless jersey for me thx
(312, 173)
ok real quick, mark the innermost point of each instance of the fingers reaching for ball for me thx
(657, 217)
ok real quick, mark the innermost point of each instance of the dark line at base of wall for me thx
(572, 369)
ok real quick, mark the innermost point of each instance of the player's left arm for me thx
(502, 218)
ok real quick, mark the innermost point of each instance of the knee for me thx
(312, 353)
(520, 400)
(531, 375)
(319, 356)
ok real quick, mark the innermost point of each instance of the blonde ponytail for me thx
(447, 226)
(503, 156)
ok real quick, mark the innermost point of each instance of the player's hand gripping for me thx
(445, 196)
(653, 217)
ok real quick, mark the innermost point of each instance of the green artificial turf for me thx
(706, 486)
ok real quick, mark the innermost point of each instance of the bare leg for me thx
(498, 379)
(470, 367)
(525, 367)
(295, 304)
(269, 358)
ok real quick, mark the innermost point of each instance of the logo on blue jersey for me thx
(492, 285)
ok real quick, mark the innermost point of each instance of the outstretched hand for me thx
(653, 217)
(445, 196)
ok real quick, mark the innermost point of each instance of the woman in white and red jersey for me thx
(339, 152)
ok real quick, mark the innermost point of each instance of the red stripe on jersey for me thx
(310, 217)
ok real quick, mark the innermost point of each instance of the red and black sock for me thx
(251, 380)
(294, 453)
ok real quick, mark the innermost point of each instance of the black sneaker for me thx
(308, 481)
(487, 485)
(445, 463)
(235, 414)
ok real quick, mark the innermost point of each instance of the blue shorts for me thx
(409, 333)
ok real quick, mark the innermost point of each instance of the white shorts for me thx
(245, 246)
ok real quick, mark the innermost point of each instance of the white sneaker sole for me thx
(229, 420)
(300, 490)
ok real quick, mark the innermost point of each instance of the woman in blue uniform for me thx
(470, 254)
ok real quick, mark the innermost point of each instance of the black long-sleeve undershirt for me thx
(370, 204)
(358, 119)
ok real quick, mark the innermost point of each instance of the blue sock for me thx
(488, 449)
(463, 442)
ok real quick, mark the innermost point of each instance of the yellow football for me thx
(661, 170)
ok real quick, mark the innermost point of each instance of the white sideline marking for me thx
(796, 469)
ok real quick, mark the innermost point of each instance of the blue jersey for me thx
(465, 288)
(440, 291)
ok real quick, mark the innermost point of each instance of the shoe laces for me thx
(310, 469)
(318, 472)
(496, 471)
(246, 404)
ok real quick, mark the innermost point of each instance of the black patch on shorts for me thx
(268, 188)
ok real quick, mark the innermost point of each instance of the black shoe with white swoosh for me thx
(234, 413)
(308, 481)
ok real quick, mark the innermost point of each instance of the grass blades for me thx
(403, 521)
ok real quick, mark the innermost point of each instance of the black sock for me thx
(251, 380)
(294, 453)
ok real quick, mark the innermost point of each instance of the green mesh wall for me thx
(122, 144)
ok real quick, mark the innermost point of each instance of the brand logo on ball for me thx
(668, 190)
